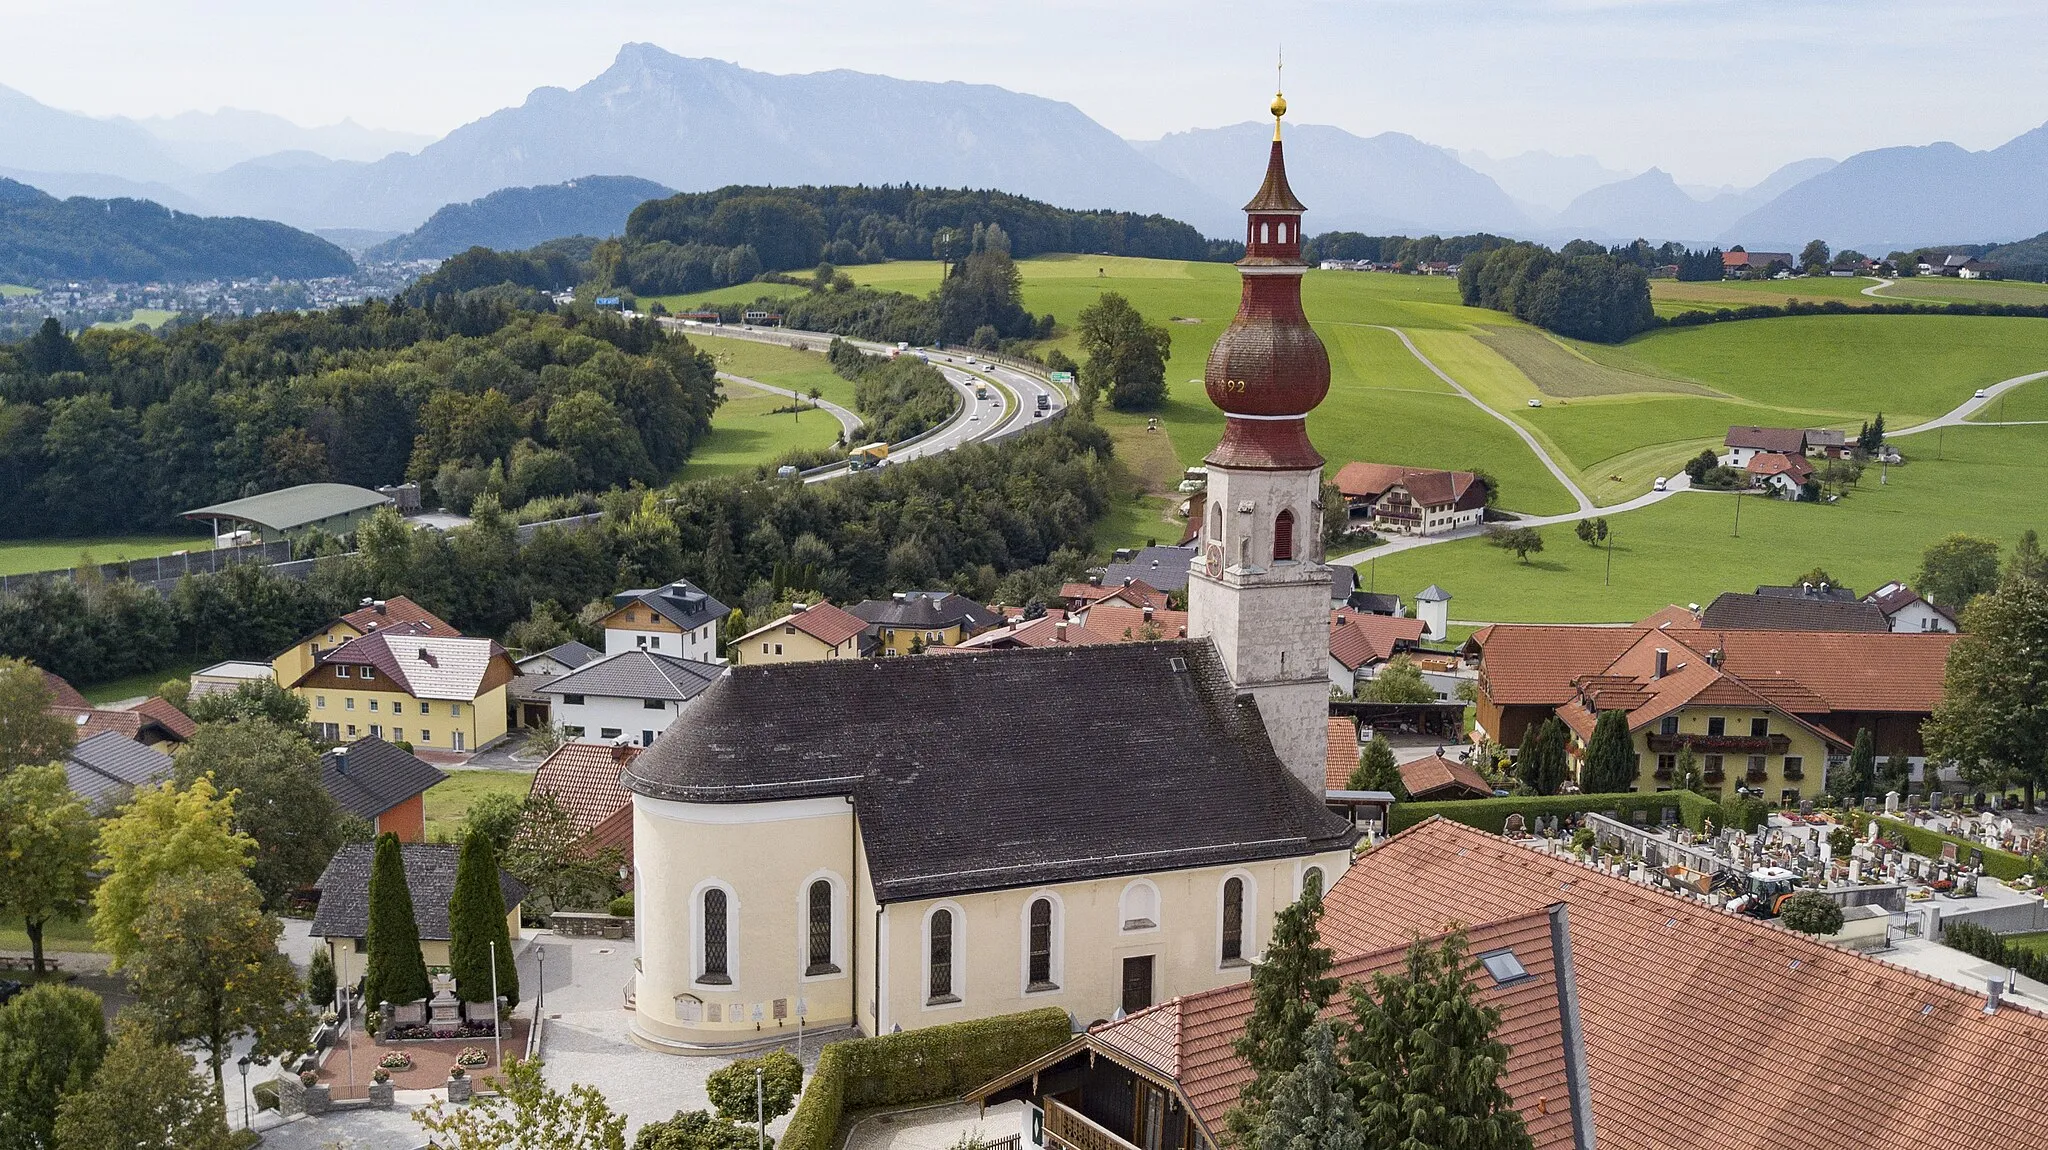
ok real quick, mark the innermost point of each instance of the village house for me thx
(583, 779)
(1168, 1076)
(1131, 592)
(530, 706)
(634, 694)
(1809, 608)
(434, 692)
(1161, 567)
(1817, 689)
(227, 677)
(1741, 264)
(103, 769)
(400, 614)
(1361, 644)
(911, 621)
(1745, 443)
(153, 722)
(1828, 443)
(1783, 476)
(342, 922)
(382, 784)
(1904, 610)
(1795, 1020)
(1411, 500)
(680, 619)
(806, 634)
(899, 843)
(1106, 621)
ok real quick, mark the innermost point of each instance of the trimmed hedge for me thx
(916, 1066)
(1837, 307)
(1492, 814)
(1921, 841)
(1991, 947)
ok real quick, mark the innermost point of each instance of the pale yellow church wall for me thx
(1089, 942)
(765, 856)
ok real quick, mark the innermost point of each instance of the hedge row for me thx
(1997, 863)
(1837, 307)
(1993, 948)
(916, 1066)
(1492, 814)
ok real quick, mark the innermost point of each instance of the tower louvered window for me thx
(717, 934)
(1283, 536)
(1233, 920)
(821, 930)
(1041, 946)
(941, 987)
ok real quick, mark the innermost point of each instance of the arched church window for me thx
(1039, 976)
(1215, 523)
(821, 930)
(717, 938)
(1312, 880)
(1283, 536)
(940, 946)
(1233, 920)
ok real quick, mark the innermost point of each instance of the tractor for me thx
(1765, 894)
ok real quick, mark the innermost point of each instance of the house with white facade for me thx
(1905, 610)
(632, 696)
(1411, 500)
(1746, 443)
(680, 619)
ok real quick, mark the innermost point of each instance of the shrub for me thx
(731, 1088)
(320, 978)
(1811, 912)
(695, 1130)
(1997, 863)
(621, 907)
(1491, 815)
(940, 1062)
(266, 1095)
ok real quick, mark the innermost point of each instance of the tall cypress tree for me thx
(1312, 1108)
(1424, 1060)
(1862, 778)
(476, 919)
(1610, 756)
(396, 973)
(1529, 756)
(1290, 986)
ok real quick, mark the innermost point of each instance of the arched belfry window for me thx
(820, 948)
(717, 938)
(1283, 536)
(1215, 523)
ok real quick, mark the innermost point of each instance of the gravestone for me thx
(1891, 802)
(1805, 806)
(1514, 825)
(444, 1013)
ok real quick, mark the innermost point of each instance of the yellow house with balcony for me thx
(1740, 737)
(400, 614)
(806, 635)
(433, 692)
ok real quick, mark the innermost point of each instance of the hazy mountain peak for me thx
(1543, 179)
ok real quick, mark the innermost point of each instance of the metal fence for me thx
(162, 569)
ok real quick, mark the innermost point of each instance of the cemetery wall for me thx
(1491, 815)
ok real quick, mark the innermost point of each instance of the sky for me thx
(1713, 91)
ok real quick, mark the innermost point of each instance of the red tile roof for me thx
(1706, 1029)
(1672, 618)
(1427, 487)
(1434, 776)
(1535, 664)
(1768, 463)
(1137, 593)
(584, 780)
(827, 624)
(1110, 618)
(1358, 638)
(1342, 756)
(64, 696)
(1188, 1039)
(397, 611)
(170, 718)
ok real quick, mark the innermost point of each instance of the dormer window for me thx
(341, 672)
(368, 673)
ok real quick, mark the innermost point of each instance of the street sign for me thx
(1061, 377)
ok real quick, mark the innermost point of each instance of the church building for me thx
(894, 843)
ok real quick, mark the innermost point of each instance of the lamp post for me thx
(760, 1124)
(497, 1021)
(1738, 514)
(242, 1063)
(540, 995)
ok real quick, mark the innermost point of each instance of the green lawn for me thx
(59, 936)
(22, 556)
(9, 291)
(148, 317)
(448, 802)
(780, 366)
(2036, 941)
(146, 683)
(1683, 550)
(746, 432)
(1944, 290)
(1670, 297)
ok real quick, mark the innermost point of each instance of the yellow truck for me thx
(862, 458)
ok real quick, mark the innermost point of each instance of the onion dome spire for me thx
(1268, 369)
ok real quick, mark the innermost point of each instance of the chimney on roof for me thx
(1823, 590)
(1342, 619)
(1059, 631)
(1130, 579)
(899, 597)
(1663, 662)
(619, 750)
(427, 657)
(380, 606)
(1714, 657)
(1148, 612)
(366, 602)
(1805, 588)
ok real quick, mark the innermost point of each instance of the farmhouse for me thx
(1904, 610)
(901, 842)
(1411, 500)
(1786, 1008)
(1361, 644)
(1745, 443)
(1740, 264)
(1782, 475)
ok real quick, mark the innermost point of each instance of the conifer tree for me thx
(1862, 779)
(1610, 756)
(476, 919)
(1312, 1108)
(1290, 986)
(396, 972)
(1378, 770)
(1424, 1062)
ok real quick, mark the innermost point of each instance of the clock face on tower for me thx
(1212, 557)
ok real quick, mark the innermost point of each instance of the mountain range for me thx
(513, 219)
(697, 124)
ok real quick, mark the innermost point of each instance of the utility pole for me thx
(1738, 515)
(497, 1022)
(1610, 558)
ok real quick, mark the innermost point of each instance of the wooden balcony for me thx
(1720, 744)
(1068, 1129)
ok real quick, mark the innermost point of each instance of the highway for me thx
(1007, 411)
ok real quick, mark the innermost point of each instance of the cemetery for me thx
(1903, 869)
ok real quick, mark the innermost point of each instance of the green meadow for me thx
(9, 291)
(747, 431)
(22, 556)
(790, 367)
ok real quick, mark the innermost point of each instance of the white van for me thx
(1660, 485)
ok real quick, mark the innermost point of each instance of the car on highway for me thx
(1982, 394)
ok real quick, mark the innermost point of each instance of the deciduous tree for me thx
(47, 837)
(561, 867)
(1990, 721)
(1811, 912)
(1400, 681)
(396, 972)
(52, 1039)
(207, 970)
(1425, 1060)
(273, 776)
(697, 1130)
(1126, 356)
(1957, 569)
(1523, 541)
(143, 1097)
(251, 700)
(29, 733)
(162, 832)
(731, 1088)
(1610, 763)
(476, 922)
(527, 1114)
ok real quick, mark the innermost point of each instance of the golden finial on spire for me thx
(1279, 101)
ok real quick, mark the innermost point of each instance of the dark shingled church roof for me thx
(982, 771)
(429, 874)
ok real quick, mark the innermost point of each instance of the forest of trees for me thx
(1406, 251)
(1582, 292)
(132, 241)
(1008, 522)
(119, 431)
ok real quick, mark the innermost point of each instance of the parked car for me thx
(1535, 403)
(1662, 484)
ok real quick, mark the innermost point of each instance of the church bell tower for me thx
(1259, 588)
